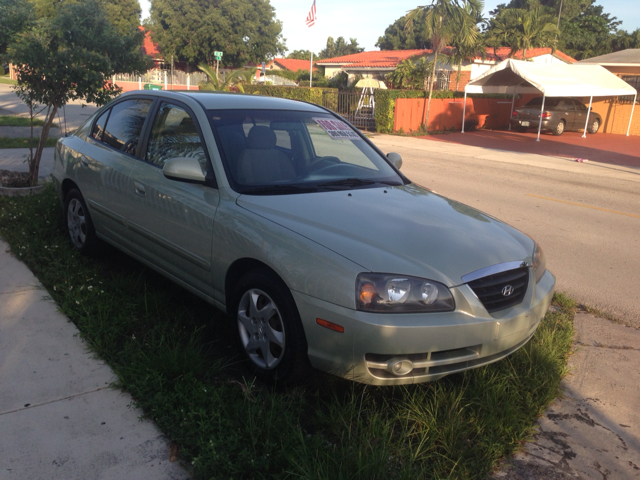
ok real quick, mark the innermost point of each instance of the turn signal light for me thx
(330, 325)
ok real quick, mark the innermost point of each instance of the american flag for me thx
(311, 18)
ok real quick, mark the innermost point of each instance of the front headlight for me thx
(386, 293)
(539, 263)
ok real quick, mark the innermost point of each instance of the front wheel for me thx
(559, 130)
(269, 328)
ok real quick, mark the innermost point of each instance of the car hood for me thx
(407, 230)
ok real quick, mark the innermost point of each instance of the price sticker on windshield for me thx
(337, 129)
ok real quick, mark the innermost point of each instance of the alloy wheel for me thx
(77, 223)
(261, 329)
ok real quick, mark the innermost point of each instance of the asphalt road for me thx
(586, 216)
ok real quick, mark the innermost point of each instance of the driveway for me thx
(601, 147)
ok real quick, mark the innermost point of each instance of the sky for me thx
(367, 20)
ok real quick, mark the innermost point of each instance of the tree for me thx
(466, 47)
(624, 40)
(301, 55)
(192, 30)
(521, 30)
(69, 56)
(442, 20)
(223, 83)
(340, 47)
(123, 14)
(15, 16)
(396, 37)
(410, 74)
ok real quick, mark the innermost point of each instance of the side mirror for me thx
(184, 169)
(395, 159)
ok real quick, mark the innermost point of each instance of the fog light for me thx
(399, 366)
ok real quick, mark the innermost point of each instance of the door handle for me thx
(139, 189)
(84, 161)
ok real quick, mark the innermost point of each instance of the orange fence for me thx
(129, 86)
(446, 114)
(493, 113)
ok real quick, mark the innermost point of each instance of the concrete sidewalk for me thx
(14, 159)
(59, 419)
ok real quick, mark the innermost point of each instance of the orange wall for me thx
(615, 116)
(129, 86)
(446, 114)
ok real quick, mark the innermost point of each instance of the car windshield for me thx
(272, 152)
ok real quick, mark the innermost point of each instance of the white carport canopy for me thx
(552, 80)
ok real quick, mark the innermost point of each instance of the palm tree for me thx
(221, 83)
(467, 47)
(443, 20)
(521, 30)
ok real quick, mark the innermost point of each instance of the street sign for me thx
(218, 57)
(217, 54)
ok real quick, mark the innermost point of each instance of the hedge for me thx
(311, 95)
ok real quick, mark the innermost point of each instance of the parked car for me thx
(287, 218)
(560, 114)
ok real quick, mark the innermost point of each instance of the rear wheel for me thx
(559, 130)
(522, 129)
(80, 226)
(595, 125)
(269, 328)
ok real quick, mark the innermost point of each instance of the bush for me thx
(312, 95)
(470, 124)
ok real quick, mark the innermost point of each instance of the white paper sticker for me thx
(337, 129)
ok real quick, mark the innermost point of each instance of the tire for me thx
(559, 130)
(522, 129)
(80, 226)
(595, 126)
(269, 328)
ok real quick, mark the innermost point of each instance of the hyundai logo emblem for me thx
(507, 290)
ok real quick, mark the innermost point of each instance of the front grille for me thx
(490, 289)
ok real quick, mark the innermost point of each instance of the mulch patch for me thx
(11, 179)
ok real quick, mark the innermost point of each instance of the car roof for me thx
(229, 101)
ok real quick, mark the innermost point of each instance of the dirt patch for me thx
(11, 179)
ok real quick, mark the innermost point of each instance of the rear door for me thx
(566, 111)
(171, 220)
(106, 162)
(581, 115)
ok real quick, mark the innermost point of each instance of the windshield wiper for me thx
(282, 189)
(355, 182)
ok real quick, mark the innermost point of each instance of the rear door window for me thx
(125, 123)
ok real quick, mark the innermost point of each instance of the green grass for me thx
(7, 80)
(6, 142)
(15, 121)
(177, 357)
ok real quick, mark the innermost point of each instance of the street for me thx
(586, 216)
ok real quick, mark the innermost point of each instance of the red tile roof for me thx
(293, 64)
(379, 58)
(503, 53)
(148, 46)
(391, 58)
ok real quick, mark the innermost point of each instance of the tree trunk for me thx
(435, 66)
(458, 76)
(34, 161)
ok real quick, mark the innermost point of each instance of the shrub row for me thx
(312, 95)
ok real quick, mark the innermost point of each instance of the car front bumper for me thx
(426, 346)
